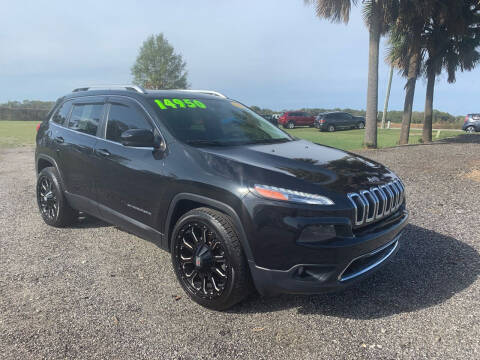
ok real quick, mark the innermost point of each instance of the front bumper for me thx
(349, 263)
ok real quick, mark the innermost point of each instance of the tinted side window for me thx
(61, 114)
(85, 118)
(122, 117)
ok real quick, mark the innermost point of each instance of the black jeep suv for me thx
(239, 203)
(333, 121)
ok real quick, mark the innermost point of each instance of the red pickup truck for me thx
(290, 119)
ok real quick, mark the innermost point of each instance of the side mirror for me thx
(138, 138)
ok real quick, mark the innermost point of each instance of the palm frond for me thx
(333, 10)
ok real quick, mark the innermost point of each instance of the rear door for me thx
(305, 119)
(332, 119)
(293, 117)
(341, 120)
(76, 142)
(301, 119)
(129, 179)
(349, 120)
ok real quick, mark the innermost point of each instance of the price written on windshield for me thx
(165, 104)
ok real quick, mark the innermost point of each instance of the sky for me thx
(270, 53)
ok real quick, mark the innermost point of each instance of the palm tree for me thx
(378, 15)
(406, 52)
(451, 41)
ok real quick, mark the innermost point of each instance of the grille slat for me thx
(378, 202)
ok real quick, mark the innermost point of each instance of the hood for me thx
(277, 164)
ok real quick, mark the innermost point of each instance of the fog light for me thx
(315, 234)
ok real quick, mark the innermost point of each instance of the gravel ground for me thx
(94, 291)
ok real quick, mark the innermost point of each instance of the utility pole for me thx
(387, 98)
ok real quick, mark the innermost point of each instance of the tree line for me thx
(27, 110)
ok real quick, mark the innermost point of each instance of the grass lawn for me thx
(352, 139)
(22, 133)
(17, 133)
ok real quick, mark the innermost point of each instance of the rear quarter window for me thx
(61, 115)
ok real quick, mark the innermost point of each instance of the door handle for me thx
(59, 140)
(102, 152)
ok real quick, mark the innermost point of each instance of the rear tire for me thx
(361, 125)
(331, 128)
(290, 125)
(208, 259)
(470, 129)
(53, 206)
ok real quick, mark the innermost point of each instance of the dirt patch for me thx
(473, 175)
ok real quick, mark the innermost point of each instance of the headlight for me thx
(275, 193)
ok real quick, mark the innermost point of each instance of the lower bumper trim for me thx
(368, 261)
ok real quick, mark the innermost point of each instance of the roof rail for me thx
(136, 88)
(208, 92)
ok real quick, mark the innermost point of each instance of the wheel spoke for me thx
(220, 273)
(194, 236)
(188, 275)
(186, 259)
(219, 258)
(212, 280)
(204, 285)
(193, 283)
(187, 244)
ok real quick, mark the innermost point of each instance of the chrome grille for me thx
(377, 202)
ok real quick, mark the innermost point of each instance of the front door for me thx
(129, 179)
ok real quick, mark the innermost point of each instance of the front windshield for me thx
(218, 122)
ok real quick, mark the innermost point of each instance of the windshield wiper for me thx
(269, 141)
(205, 142)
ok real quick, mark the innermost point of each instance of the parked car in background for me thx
(338, 120)
(472, 123)
(290, 119)
(270, 118)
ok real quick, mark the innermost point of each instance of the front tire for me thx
(51, 201)
(290, 125)
(208, 259)
(470, 129)
(361, 125)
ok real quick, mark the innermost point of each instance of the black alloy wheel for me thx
(47, 198)
(51, 201)
(208, 259)
(201, 259)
